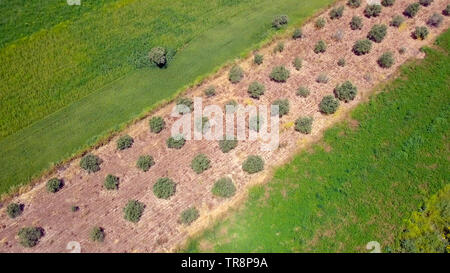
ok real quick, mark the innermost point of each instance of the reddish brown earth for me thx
(159, 229)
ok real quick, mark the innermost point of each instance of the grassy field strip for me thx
(361, 181)
(62, 134)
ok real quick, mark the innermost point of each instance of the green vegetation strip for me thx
(104, 49)
(361, 181)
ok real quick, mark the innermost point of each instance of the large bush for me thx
(397, 20)
(227, 144)
(279, 74)
(377, 33)
(328, 105)
(372, 10)
(386, 60)
(346, 91)
(420, 33)
(144, 162)
(337, 12)
(200, 163)
(97, 234)
(176, 142)
(356, 23)
(320, 23)
(256, 90)
(411, 10)
(435, 20)
(303, 92)
(304, 125)
(164, 188)
(388, 3)
(133, 211)
(14, 210)
(54, 185)
(158, 56)
(320, 47)
(283, 106)
(362, 47)
(189, 215)
(236, 74)
(29, 236)
(279, 21)
(297, 34)
(111, 182)
(90, 163)
(224, 187)
(184, 105)
(124, 142)
(425, 3)
(253, 164)
(354, 3)
(157, 124)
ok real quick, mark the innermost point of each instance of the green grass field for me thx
(359, 183)
(65, 87)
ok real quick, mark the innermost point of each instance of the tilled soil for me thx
(159, 229)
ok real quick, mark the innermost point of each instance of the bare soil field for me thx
(159, 229)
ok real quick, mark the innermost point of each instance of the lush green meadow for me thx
(359, 183)
(65, 87)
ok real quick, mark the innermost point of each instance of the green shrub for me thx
(411, 10)
(202, 124)
(386, 60)
(435, 20)
(397, 20)
(303, 92)
(210, 91)
(362, 47)
(283, 106)
(176, 142)
(97, 234)
(322, 78)
(279, 74)
(14, 210)
(377, 33)
(90, 163)
(224, 187)
(236, 74)
(354, 3)
(279, 21)
(258, 59)
(255, 123)
(200, 163)
(184, 105)
(420, 33)
(320, 23)
(328, 105)
(189, 215)
(446, 11)
(256, 90)
(227, 144)
(253, 164)
(157, 124)
(425, 3)
(304, 125)
(124, 142)
(341, 62)
(356, 23)
(320, 47)
(372, 10)
(144, 162)
(387, 3)
(336, 12)
(54, 185)
(29, 236)
(164, 188)
(298, 33)
(297, 63)
(133, 211)
(111, 182)
(346, 91)
(279, 47)
(158, 56)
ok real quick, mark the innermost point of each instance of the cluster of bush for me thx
(30, 236)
